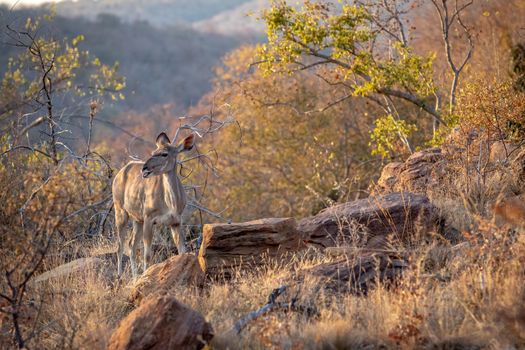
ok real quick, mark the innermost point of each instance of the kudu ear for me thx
(187, 143)
(162, 140)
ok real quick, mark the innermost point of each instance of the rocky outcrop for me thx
(226, 247)
(356, 275)
(421, 172)
(166, 277)
(390, 176)
(414, 175)
(401, 215)
(159, 323)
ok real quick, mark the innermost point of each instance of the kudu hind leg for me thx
(133, 246)
(179, 237)
(121, 220)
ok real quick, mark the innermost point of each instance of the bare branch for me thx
(87, 207)
(272, 305)
(447, 20)
(29, 148)
(33, 124)
(214, 125)
(411, 98)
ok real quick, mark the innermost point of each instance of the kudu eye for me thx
(163, 154)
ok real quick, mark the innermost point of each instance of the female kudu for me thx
(150, 193)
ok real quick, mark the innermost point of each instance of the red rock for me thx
(244, 245)
(161, 323)
(356, 275)
(414, 175)
(167, 276)
(401, 215)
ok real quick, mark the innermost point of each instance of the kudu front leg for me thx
(147, 237)
(179, 237)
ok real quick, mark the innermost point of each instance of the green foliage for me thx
(388, 135)
(344, 39)
(443, 131)
(347, 47)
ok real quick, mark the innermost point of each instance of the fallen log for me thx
(273, 305)
(78, 267)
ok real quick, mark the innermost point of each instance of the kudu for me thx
(150, 194)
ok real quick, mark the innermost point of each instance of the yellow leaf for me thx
(77, 39)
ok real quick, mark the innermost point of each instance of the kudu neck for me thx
(174, 194)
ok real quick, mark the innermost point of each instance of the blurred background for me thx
(166, 48)
(157, 61)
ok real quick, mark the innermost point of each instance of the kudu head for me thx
(164, 158)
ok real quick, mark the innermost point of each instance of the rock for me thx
(375, 244)
(161, 322)
(159, 250)
(76, 267)
(390, 176)
(400, 214)
(240, 245)
(414, 175)
(167, 276)
(356, 275)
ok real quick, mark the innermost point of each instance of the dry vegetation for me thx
(464, 296)
(290, 154)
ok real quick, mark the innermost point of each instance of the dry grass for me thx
(467, 296)
(476, 302)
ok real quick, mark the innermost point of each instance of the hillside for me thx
(160, 13)
(169, 65)
(240, 21)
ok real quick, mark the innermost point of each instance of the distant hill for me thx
(239, 21)
(169, 65)
(158, 13)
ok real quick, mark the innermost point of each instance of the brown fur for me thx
(150, 194)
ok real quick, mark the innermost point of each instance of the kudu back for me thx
(150, 193)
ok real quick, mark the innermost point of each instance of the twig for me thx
(240, 324)
(87, 207)
(104, 219)
(29, 148)
(92, 113)
(272, 305)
